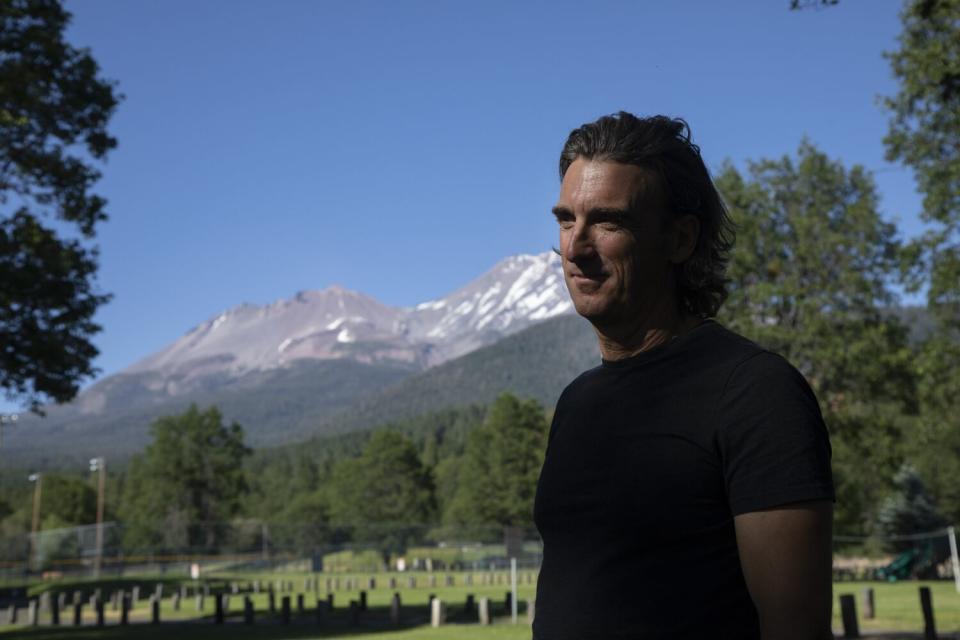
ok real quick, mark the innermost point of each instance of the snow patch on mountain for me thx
(335, 323)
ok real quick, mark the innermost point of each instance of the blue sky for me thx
(402, 148)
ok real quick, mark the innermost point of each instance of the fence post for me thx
(218, 608)
(285, 609)
(867, 599)
(513, 590)
(848, 614)
(154, 609)
(77, 613)
(247, 610)
(124, 608)
(438, 613)
(926, 604)
(954, 557)
(98, 607)
(363, 601)
(319, 612)
(33, 613)
(299, 604)
(395, 609)
(55, 610)
(483, 610)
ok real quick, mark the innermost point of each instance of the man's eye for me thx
(565, 224)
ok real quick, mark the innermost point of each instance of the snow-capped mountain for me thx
(336, 323)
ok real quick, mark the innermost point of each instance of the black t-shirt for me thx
(649, 459)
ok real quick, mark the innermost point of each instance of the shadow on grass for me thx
(374, 621)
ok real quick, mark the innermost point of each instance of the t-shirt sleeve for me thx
(773, 443)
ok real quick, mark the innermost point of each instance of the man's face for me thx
(614, 250)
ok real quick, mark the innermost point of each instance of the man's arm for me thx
(786, 555)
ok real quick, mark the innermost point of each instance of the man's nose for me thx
(578, 243)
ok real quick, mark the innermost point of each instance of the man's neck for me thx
(623, 340)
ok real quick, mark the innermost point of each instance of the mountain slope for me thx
(537, 362)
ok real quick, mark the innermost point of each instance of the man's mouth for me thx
(587, 281)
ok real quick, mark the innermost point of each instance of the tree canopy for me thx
(54, 110)
(497, 480)
(811, 278)
(385, 497)
(188, 484)
(924, 135)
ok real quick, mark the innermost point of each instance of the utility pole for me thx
(100, 466)
(38, 479)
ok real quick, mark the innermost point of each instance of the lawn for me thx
(897, 609)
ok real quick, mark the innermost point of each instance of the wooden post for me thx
(319, 612)
(926, 604)
(218, 608)
(154, 609)
(395, 609)
(247, 610)
(134, 596)
(55, 610)
(363, 601)
(199, 599)
(483, 610)
(438, 613)
(468, 580)
(300, 604)
(124, 608)
(285, 610)
(508, 602)
(12, 614)
(272, 603)
(867, 600)
(330, 602)
(354, 613)
(449, 581)
(392, 583)
(77, 613)
(469, 604)
(412, 582)
(848, 614)
(98, 607)
(33, 613)
(176, 601)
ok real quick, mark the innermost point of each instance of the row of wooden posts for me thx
(851, 625)
(125, 601)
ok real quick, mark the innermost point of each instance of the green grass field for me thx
(897, 609)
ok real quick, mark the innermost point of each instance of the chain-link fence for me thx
(250, 545)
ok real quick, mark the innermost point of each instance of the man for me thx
(686, 490)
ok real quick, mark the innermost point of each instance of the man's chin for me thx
(591, 310)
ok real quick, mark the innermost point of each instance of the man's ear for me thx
(684, 237)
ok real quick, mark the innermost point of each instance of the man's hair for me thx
(663, 148)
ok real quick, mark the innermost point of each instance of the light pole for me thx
(36, 478)
(99, 465)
